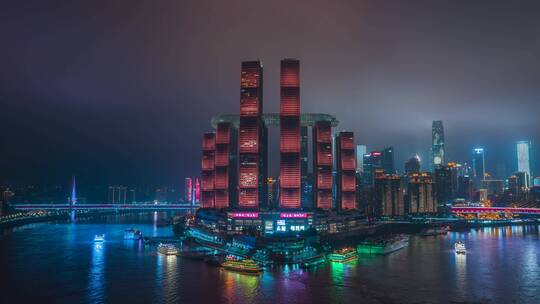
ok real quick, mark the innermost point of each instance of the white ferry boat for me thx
(460, 248)
(99, 238)
(167, 249)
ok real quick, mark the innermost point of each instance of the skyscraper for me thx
(389, 195)
(361, 150)
(412, 165)
(479, 166)
(252, 138)
(420, 194)
(290, 178)
(208, 170)
(372, 163)
(322, 165)
(523, 158)
(346, 174)
(225, 166)
(437, 144)
(388, 160)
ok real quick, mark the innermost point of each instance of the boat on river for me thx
(315, 261)
(383, 245)
(343, 255)
(247, 266)
(99, 238)
(459, 247)
(167, 249)
(432, 231)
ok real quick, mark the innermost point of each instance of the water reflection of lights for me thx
(155, 221)
(461, 273)
(96, 284)
(241, 285)
(167, 277)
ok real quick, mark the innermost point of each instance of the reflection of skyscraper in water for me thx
(437, 144)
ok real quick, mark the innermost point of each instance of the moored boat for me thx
(383, 245)
(241, 265)
(435, 231)
(167, 249)
(317, 260)
(343, 255)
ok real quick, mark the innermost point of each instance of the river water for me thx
(59, 263)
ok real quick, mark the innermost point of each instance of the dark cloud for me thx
(121, 91)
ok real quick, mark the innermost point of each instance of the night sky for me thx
(121, 91)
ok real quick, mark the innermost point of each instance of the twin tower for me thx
(235, 156)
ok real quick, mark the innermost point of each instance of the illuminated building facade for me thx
(188, 190)
(437, 144)
(208, 170)
(479, 166)
(412, 165)
(197, 190)
(523, 159)
(252, 138)
(420, 197)
(225, 166)
(372, 163)
(322, 165)
(346, 170)
(389, 195)
(290, 179)
(298, 188)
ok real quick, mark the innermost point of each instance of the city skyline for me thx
(135, 126)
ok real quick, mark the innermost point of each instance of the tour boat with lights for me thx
(167, 249)
(99, 238)
(460, 248)
(132, 234)
(241, 265)
(343, 255)
(383, 245)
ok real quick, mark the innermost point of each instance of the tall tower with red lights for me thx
(208, 170)
(322, 165)
(346, 169)
(225, 165)
(252, 138)
(290, 134)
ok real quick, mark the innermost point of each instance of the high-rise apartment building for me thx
(252, 138)
(389, 195)
(208, 170)
(524, 159)
(437, 144)
(420, 199)
(290, 171)
(346, 170)
(322, 165)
